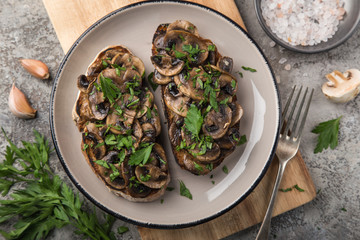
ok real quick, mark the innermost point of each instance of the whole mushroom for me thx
(340, 87)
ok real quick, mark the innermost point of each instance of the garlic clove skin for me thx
(36, 68)
(19, 105)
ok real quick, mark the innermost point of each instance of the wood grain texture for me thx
(72, 17)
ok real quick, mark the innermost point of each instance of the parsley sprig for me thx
(43, 202)
(328, 134)
(109, 89)
(194, 120)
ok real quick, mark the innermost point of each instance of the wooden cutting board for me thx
(71, 17)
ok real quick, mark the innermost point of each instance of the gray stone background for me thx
(26, 31)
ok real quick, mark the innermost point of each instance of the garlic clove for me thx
(19, 105)
(36, 68)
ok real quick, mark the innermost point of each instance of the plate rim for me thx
(100, 205)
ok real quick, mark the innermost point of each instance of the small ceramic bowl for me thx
(346, 28)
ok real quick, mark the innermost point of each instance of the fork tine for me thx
(298, 114)
(292, 112)
(287, 106)
(305, 115)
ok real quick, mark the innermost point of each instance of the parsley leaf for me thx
(285, 190)
(109, 89)
(194, 120)
(184, 191)
(153, 85)
(298, 188)
(225, 169)
(328, 134)
(140, 155)
(248, 69)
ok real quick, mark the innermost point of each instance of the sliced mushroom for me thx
(152, 117)
(146, 102)
(97, 65)
(188, 162)
(130, 61)
(225, 64)
(98, 106)
(237, 113)
(158, 154)
(167, 65)
(84, 83)
(174, 134)
(191, 83)
(137, 133)
(134, 188)
(122, 117)
(161, 79)
(149, 130)
(197, 150)
(151, 176)
(228, 84)
(175, 100)
(180, 40)
(228, 141)
(342, 87)
(81, 112)
(112, 158)
(184, 26)
(92, 144)
(132, 79)
(217, 123)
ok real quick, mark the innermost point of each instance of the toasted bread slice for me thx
(119, 123)
(198, 95)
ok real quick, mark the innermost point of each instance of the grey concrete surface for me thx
(26, 31)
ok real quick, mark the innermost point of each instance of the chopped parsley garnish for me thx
(162, 201)
(182, 38)
(211, 48)
(343, 209)
(240, 141)
(298, 188)
(102, 163)
(140, 156)
(210, 166)
(170, 189)
(85, 146)
(285, 190)
(213, 182)
(194, 120)
(240, 74)
(145, 178)
(104, 63)
(115, 172)
(328, 134)
(179, 54)
(198, 167)
(109, 89)
(248, 69)
(233, 84)
(184, 191)
(153, 85)
(225, 169)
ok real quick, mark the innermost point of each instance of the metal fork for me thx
(288, 146)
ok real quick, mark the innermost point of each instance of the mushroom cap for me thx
(130, 62)
(215, 123)
(151, 176)
(191, 83)
(184, 26)
(166, 65)
(161, 79)
(340, 87)
(175, 100)
(237, 113)
(178, 39)
(146, 102)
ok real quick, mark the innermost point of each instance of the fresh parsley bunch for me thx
(43, 202)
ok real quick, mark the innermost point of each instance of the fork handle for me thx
(264, 231)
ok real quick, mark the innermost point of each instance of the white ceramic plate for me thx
(133, 26)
